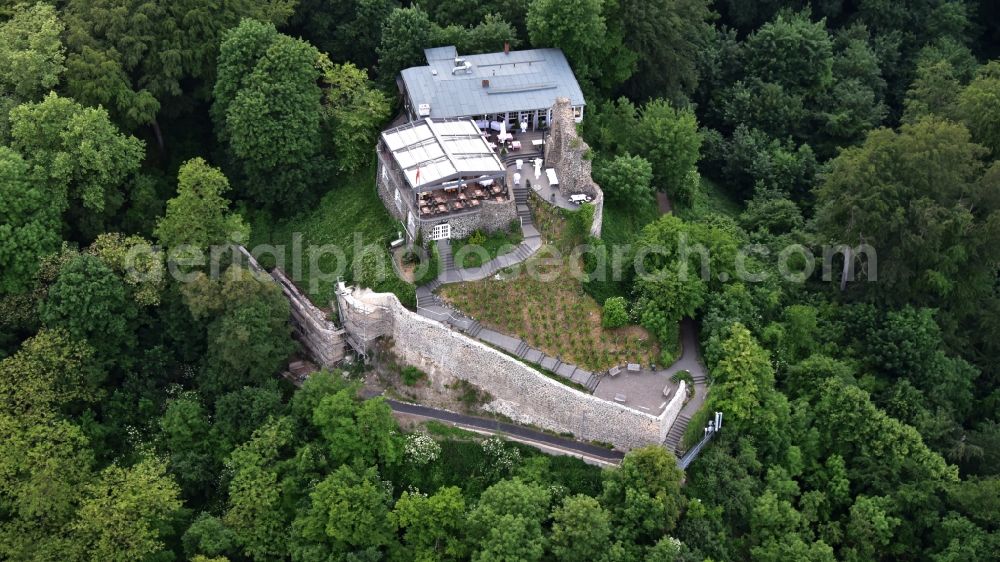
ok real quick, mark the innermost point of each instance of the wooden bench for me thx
(613, 371)
(633, 367)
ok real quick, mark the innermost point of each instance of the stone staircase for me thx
(428, 299)
(521, 199)
(474, 329)
(444, 254)
(673, 440)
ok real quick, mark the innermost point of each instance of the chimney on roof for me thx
(486, 83)
(506, 47)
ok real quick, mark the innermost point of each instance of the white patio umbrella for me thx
(503, 132)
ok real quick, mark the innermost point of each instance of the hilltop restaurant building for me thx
(518, 87)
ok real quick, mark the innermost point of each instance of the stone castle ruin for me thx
(567, 152)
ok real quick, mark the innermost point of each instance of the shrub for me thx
(682, 375)
(478, 238)
(421, 449)
(615, 314)
(431, 272)
(580, 222)
(412, 375)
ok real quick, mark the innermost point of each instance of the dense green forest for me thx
(142, 415)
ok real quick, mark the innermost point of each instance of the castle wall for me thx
(322, 341)
(519, 392)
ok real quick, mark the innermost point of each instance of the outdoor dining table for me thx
(516, 145)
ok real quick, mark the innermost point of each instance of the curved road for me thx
(519, 433)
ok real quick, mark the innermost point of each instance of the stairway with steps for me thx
(474, 329)
(523, 211)
(427, 300)
(673, 440)
(444, 254)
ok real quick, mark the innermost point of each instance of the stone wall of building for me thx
(322, 341)
(519, 391)
(387, 191)
(567, 152)
(491, 217)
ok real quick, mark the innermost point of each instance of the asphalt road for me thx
(518, 431)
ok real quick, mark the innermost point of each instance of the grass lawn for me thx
(711, 199)
(495, 244)
(623, 223)
(349, 209)
(551, 311)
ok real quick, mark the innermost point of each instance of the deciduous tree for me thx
(355, 111)
(669, 139)
(267, 109)
(626, 179)
(31, 51)
(89, 302)
(433, 526)
(199, 215)
(29, 222)
(82, 157)
(581, 529)
(644, 495)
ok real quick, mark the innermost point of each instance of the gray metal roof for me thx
(518, 81)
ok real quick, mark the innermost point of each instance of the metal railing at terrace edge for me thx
(713, 427)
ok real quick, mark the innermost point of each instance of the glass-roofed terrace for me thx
(441, 167)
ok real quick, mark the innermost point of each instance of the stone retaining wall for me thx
(519, 391)
(492, 216)
(567, 152)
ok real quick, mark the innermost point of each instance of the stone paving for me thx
(642, 390)
(540, 185)
(645, 389)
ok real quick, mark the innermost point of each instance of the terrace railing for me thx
(713, 427)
